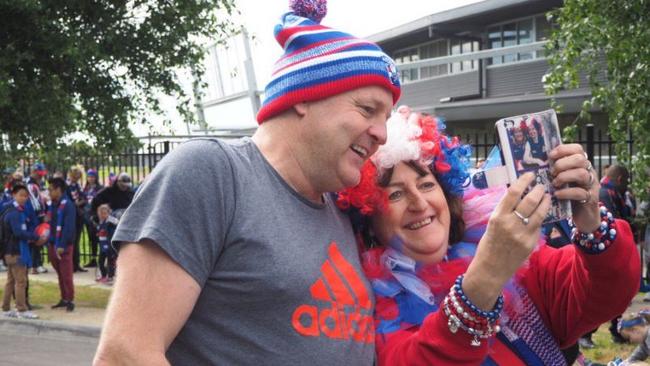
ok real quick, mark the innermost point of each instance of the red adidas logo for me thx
(349, 314)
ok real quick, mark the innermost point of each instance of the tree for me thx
(619, 31)
(94, 66)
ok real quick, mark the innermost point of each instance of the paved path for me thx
(29, 349)
(81, 315)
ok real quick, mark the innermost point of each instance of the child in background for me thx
(636, 329)
(107, 253)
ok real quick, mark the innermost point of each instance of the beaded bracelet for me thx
(492, 315)
(601, 239)
(461, 313)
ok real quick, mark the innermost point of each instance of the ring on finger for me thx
(591, 181)
(525, 220)
(582, 202)
(589, 167)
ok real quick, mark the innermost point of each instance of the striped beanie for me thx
(320, 62)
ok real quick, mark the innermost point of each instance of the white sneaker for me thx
(41, 269)
(9, 314)
(26, 315)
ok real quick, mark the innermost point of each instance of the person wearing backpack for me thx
(17, 256)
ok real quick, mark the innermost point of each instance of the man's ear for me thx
(301, 108)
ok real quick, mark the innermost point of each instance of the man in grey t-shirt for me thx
(253, 263)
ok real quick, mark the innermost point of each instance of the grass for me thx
(606, 350)
(48, 293)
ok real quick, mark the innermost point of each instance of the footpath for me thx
(82, 322)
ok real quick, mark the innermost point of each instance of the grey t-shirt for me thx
(280, 276)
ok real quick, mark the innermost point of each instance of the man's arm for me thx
(151, 301)
(69, 225)
(20, 232)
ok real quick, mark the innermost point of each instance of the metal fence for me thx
(138, 164)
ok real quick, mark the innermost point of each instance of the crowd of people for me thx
(37, 213)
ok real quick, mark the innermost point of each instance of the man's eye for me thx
(368, 109)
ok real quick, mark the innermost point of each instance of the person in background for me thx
(612, 195)
(35, 210)
(635, 328)
(91, 188)
(17, 254)
(75, 192)
(61, 215)
(7, 178)
(118, 196)
(108, 252)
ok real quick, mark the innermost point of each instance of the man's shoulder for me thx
(7, 211)
(215, 145)
(209, 153)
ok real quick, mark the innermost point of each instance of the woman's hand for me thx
(512, 233)
(572, 166)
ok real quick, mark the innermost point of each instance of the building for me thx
(476, 64)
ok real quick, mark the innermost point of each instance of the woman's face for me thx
(91, 179)
(532, 132)
(519, 136)
(417, 214)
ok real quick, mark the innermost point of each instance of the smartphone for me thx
(525, 141)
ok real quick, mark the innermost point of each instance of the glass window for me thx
(429, 50)
(542, 28)
(455, 50)
(475, 47)
(467, 48)
(542, 32)
(442, 50)
(509, 39)
(524, 36)
(494, 41)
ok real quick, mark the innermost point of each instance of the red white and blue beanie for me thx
(320, 62)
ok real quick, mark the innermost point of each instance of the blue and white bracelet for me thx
(601, 239)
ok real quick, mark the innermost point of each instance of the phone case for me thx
(525, 141)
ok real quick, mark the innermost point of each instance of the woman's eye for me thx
(427, 186)
(395, 196)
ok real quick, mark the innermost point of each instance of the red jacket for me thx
(573, 292)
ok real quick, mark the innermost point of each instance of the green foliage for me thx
(94, 66)
(618, 32)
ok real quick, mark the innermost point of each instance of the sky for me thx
(361, 18)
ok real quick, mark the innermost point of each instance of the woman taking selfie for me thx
(462, 277)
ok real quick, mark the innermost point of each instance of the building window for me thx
(542, 32)
(523, 31)
(494, 41)
(459, 47)
(525, 35)
(428, 50)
